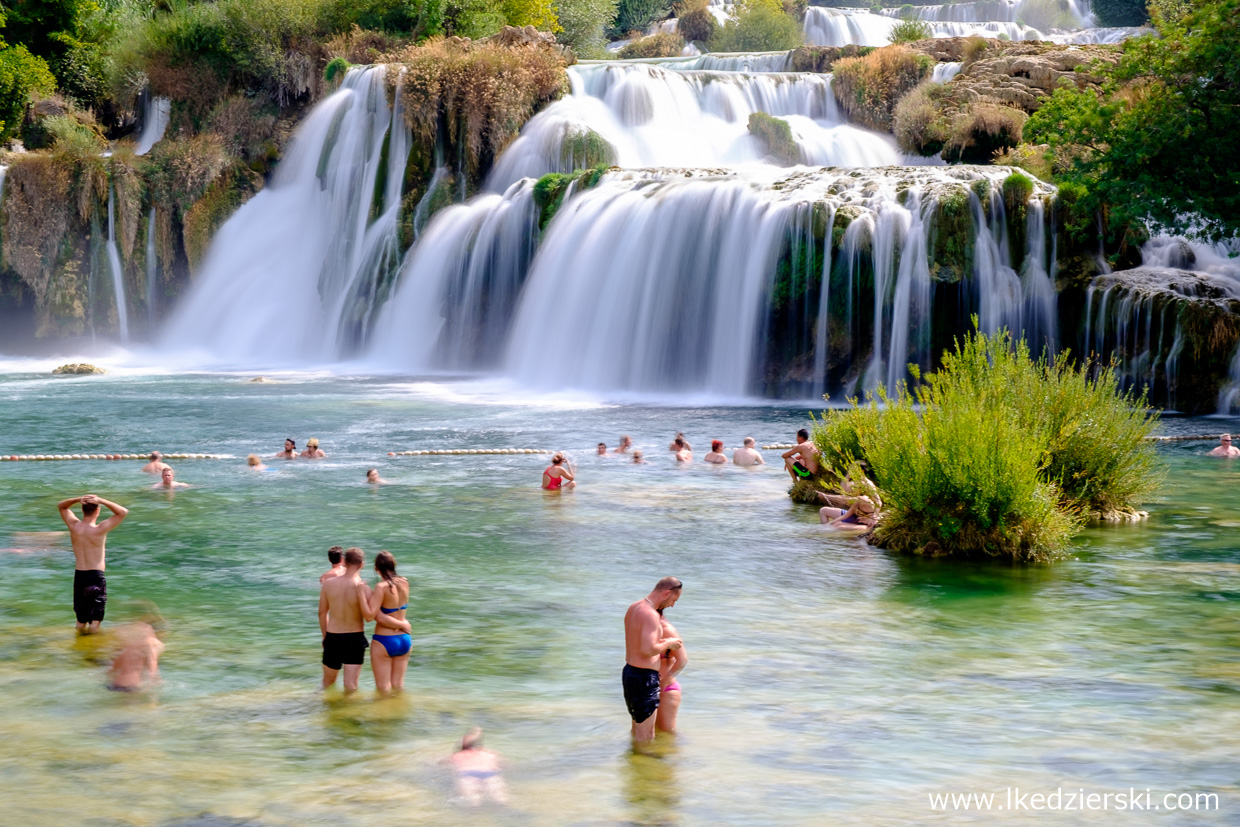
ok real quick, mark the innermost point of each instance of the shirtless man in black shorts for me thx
(342, 623)
(644, 645)
(90, 589)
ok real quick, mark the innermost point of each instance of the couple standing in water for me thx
(654, 656)
(347, 604)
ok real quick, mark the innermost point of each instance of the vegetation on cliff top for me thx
(996, 454)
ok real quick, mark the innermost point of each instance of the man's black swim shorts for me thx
(90, 595)
(641, 691)
(340, 648)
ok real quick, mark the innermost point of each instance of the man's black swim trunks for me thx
(340, 648)
(90, 595)
(641, 691)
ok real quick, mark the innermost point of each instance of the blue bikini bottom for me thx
(396, 645)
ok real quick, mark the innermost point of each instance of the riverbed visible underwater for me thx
(829, 681)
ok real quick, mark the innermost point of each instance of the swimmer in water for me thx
(626, 444)
(679, 442)
(602, 449)
(1225, 448)
(683, 452)
(255, 462)
(372, 477)
(716, 455)
(312, 449)
(556, 477)
(747, 456)
(137, 665)
(156, 464)
(477, 772)
(168, 481)
(289, 452)
(639, 458)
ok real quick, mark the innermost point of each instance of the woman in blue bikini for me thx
(389, 651)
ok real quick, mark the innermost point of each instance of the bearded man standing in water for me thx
(644, 645)
(90, 589)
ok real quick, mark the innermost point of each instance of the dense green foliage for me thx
(911, 30)
(776, 137)
(869, 87)
(637, 15)
(21, 74)
(551, 190)
(996, 454)
(584, 23)
(1160, 139)
(1120, 12)
(759, 27)
(697, 24)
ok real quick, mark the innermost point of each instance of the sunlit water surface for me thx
(829, 681)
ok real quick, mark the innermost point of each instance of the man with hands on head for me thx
(89, 538)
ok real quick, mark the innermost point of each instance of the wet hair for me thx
(155, 455)
(802, 434)
(637, 454)
(602, 445)
(89, 508)
(253, 459)
(353, 556)
(472, 739)
(626, 438)
(168, 470)
(716, 445)
(385, 564)
(679, 441)
(668, 583)
(370, 471)
(748, 442)
(558, 458)
(286, 439)
(335, 554)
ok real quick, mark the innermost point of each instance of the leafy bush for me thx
(840, 437)
(1120, 12)
(697, 24)
(21, 75)
(1033, 159)
(759, 29)
(337, 67)
(584, 23)
(822, 59)
(776, 136)
(1169, 11)
(637, 15)
(919, 122)
(911, 30)
(983, 129)
(537, 13)
(663, 44)
(1159, 140)
(868, 88)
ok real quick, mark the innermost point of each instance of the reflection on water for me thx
(829, 678)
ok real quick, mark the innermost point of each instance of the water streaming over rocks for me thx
(156, 113)
(117, 270)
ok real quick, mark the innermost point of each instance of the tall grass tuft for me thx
(997, 454)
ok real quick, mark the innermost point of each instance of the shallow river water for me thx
(829, 682)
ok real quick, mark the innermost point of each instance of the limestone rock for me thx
(77, 369)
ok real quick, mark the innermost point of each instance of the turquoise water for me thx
(829, 681)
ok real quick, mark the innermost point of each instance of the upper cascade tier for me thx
(1001, 19)
(645, 114)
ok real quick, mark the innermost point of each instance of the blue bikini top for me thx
(393, 611)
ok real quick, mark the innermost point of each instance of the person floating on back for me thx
(802, 460)
(556, 476)
(341, 623)
(90, 589)
(156, 465)
(644, 645)
(716, 455)
(747, 456)
(1225, 448)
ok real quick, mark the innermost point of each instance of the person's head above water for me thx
(716, 445)
(290, 445)
(679, 441)
(335, 554)
(253, 460)
(748, 442)
(602, 448)
(372, 475)
(168, 475)
(472, 739)
(312, 442)
(155, 456)
(558, 459)
(353, 558)
(637, 456)
(385, 565)
(626, 441)
(1225, 439)
(666, 592)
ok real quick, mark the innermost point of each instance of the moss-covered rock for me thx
(775, 135)
(551, 190)
(821, 59)
(78, 369)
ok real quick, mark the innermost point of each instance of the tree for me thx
(1160, 139)
(584, 23)
(537, 13)
(1120, 12)
(761, 26)
(637, 15)
(21, 74)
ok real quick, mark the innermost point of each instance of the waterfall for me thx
(298, 272)
(1229, 394)
(155, 117)
(118, 271)
(977, 12)
(651, 116)
(152, 271)
(1038, 322)
(843, 27)
(944, 72)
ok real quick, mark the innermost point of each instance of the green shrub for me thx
(21, 75)
(1044, 15)
(868, 88)
(1120, 12)
(1032, 159)
(840, 436)
(697, 25)
(637, 15)
(920, 121)
(759, 29)
(584, 23)
(663, 44)
(776, 136)
(911, 30)
(1169, 11)
(586, 149)
(66, 134)
(337, 67)
(982, 130)
(974, 49)
(821, 59)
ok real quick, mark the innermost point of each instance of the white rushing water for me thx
(655, 116)
(117, 271)
(297, 273)
(155, 117)
(152, 271)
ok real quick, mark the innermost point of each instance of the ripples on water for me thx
(829, 680)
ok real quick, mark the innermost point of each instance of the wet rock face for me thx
(1020, 75)
(77, 369)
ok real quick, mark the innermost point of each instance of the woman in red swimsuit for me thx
(556, 476)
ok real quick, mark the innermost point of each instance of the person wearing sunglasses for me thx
(1225, 448)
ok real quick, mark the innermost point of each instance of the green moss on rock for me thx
(776, 136)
